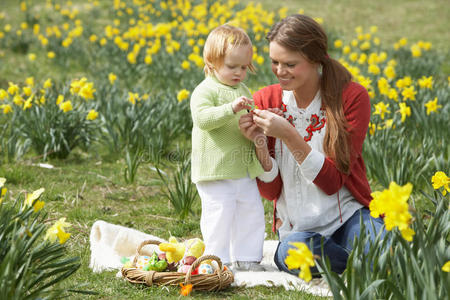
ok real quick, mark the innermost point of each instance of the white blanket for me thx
(109, 243)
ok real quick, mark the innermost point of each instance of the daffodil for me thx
(404, 111)
(393, 203)
(409, 93)
(2, 189)
(48, 83)
(6, 108)
(301, 258)
(3, 94)
(426, 82)
(381, 108)
(32, 199)
(446, 266)
(383, 86)
(404, 82)
(183, 94)
(76, 85)
(87, 91)
(29, 81)
(32, 57)
(133, 97)
(440, 179)
(432, 106)
(66, 106)
(415, 51)
(13, 88)
(27, 104)
(374, 69)
(112, 78)
(389, 71)
(338, 43)
(92, 115)
(57, 231)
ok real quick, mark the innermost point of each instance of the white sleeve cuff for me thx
(269, 176)
(312, 164)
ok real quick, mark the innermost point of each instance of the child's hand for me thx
(241, 103)
(276, 111)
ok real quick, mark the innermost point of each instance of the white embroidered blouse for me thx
(302, 206)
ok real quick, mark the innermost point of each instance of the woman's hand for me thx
(278, 223)
(251, 131)
(272, 124)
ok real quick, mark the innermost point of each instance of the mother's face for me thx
(293, 70)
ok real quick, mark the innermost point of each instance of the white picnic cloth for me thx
(110, 243)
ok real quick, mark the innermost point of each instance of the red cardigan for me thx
(356, 105)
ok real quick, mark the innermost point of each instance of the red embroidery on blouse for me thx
(291, 120)
(315, 125)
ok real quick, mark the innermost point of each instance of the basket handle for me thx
(138, 250)
(197, 263)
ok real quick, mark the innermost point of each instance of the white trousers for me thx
(232, 221)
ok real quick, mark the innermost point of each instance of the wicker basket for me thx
(204, 282)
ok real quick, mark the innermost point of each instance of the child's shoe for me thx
(248, 266)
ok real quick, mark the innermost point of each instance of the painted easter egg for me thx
(142, 262)
(205, 269)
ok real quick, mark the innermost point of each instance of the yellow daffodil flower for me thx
(440, 179)
(48, 83)
(409, 93)
(87, 91)
(66, 106)
(301, 258)
(112, 78)
(432, 106)
(57, 231)
(404, 111)
(31, 198)
(381, 108)
(393, 203)
(6, 108)
(426, 82)
(446, 266)
(133, 97)
(92, 115)
(183, 94)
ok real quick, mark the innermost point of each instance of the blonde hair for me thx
(221, 40)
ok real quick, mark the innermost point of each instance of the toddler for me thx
(224, 162)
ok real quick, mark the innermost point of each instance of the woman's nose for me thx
(280, 69)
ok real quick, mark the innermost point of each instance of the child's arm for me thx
(205, 114)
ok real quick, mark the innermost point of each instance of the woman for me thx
(315, 173)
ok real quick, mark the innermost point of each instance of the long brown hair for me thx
(302, 34)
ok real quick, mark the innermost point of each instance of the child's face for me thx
(235, 65)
